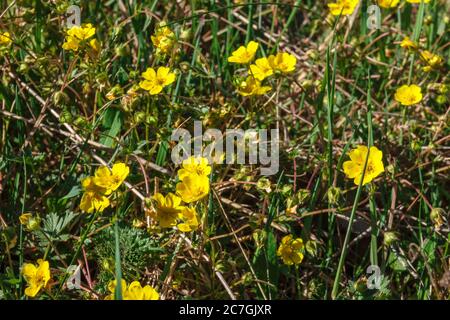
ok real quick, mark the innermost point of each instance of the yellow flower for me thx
(93, 197)
(251, 86)
(78, 34)
(417, 1)
(408, 95)
(353, 168)
(193, 188)
(290, 250)
(163, 39)
(112, 289)
(283, 62)
(81, 32)
(155, 81)
(244, 54)
(388, 3)
(343, 7)
(132, 292)
(432, 60)
(94, 44)
(29, 221)
(190, 221)
(407, 43)
(71, 44)
(110, 180)
(194, 165)
(261, 69)
(167, 209)
(36, 277)
(136, 292)
(5, 38)
(24, 218)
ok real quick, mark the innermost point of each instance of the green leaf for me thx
(112, 121)
(74, 192)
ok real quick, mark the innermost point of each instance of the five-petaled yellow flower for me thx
(261, 69)
(283, 62)
(163, 39)
(291, 250)
(408, 95)
(354, 168)
(103, 183)
(194, 165)
(167, 209)
(155, 81)
(79, 34)
(36, 277)
(134, 291)
(5, 38)
(388, 3)
(110, 180)
(93, 198)
(343, 7)
(251, 86)
(407, 43)
(244, 54)
(190, 220)
(193, 188)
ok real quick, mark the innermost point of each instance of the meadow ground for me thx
(93, 205)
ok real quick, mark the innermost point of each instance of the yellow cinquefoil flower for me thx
(78, 34)
(190, 221)
(244, 54)
(81, 32)
(261, 69)
(163, 39)
(283, 62)
(29, 221)
(110, 180)
(194, 165)
(133, 292)
(433, 61)
(408, 95)
(388, 3)
(353, 168)
(251, 87)
(93, 198)
(193, 188)
(167, 209)
(5, 38)
(407, 43)
(343, 7)
(155, 81)
(290, 250)
(36, 276)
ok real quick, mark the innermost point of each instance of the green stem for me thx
(118, 267)
(334, 292)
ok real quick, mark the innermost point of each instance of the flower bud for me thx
(389, 238)
(60, 97)
(30, 222)
(333, 195)
(436, 215)
(264, 185)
